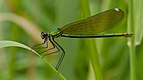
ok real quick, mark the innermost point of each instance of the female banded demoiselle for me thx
(86, 28)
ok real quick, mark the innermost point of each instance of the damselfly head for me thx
(44, 35)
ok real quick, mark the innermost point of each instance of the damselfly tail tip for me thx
(128, 34)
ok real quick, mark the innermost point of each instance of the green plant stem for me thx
(92, 45)
(12, 57)
(95, 59)
(132, 42)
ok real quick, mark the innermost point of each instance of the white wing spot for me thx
(116, 9)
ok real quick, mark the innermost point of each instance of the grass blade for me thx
(132, 53)
(4, 44)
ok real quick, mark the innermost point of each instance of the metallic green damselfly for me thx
(86, 28)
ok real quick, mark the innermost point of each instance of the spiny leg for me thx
(35, 46)
(47, 50)
(57, 46)
(54, 46)
(46, 43)
(62, 56)
(40, 44)
(50, 53)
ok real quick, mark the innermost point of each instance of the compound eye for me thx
(43, 35)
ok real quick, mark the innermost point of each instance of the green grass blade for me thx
(138, 21)
(4, 44)
(132, 52)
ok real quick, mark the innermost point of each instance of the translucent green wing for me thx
(94, 24)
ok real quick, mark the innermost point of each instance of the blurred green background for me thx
(22, 21)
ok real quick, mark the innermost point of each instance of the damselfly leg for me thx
(62, 56)
(55, 45)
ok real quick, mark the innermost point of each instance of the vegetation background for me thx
(112, 59)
